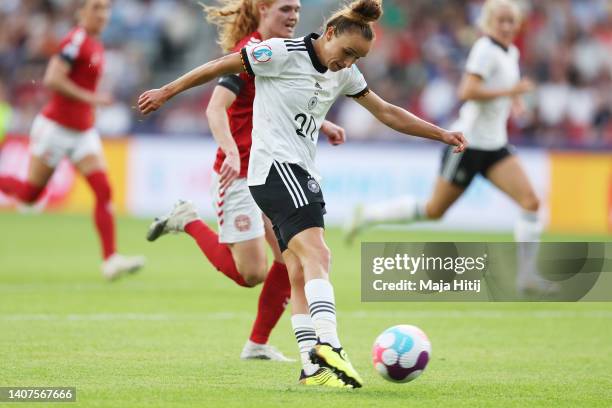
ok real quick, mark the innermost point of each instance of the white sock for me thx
(322, 306)
(527, 231)
(306, 338)
(400, 210)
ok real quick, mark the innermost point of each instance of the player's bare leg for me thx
(272, 241)
(272, 302)
(39, 173)
(509, 176)
(252, 263)
(93, 168)
(304, 330)
(251, 260)
(314, 257)
(299, 304)
(243, 262)
(445, 194)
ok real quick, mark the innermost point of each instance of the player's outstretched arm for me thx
(57, 79)
(472, 88)
(405, 122)
(153, 99)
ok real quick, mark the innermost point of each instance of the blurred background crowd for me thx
(566, 46)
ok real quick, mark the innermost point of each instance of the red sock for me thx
(273, 300)
(22, 190)
(103, 212)
(218, 254)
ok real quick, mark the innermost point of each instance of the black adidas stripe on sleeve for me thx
(295, 45)
(361, 94)
(245, 62)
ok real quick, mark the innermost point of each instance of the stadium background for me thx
(565, 141)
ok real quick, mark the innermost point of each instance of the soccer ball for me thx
(401, 353)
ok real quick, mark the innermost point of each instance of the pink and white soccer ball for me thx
(401, 353)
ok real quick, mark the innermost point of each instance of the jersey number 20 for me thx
(310, 129)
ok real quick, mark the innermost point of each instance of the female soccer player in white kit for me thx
(297, 81)
(492, 89)
(239, 249)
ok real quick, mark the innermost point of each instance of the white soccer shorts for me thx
(238, 217)
(51, 142)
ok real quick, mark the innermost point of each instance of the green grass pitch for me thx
(171, 336)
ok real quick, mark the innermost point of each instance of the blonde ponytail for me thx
(235, 19)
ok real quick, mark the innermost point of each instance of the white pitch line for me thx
(485, 314)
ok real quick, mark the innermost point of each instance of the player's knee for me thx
(434, 212)
(530, 203)
(253, 273)
(295, 272)
(252, 280)
(318, 255)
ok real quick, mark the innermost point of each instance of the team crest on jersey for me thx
(313, 102)
(313, 186)
(242, 223)
(262, 53)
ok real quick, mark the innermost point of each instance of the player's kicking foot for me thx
(325, 355)
(118, 265)
(254, 351)
(323, 376)
(182, 214)
(354, 225)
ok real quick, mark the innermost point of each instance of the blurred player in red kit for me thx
(65, 128)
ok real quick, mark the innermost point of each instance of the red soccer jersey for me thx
(240, 113)
(85, 55)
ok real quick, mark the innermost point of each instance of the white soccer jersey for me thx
(294, 92)
(484, 123)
